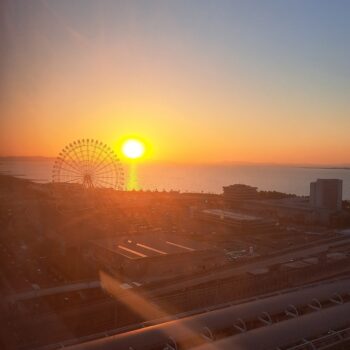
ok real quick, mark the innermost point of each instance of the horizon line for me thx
(223, 162)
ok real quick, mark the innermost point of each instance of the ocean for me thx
(199, 178)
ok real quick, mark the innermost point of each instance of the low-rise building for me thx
(322, 206)
(149, 257)
(240, 221)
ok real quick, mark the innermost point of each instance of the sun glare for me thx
(133, 149)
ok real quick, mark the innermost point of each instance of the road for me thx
(188, 283)
(236, 271)
(54, 290)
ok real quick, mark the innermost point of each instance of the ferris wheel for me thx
(90, 164)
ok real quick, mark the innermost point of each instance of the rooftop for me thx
(231, 215)
(144, 246)
(301, 203)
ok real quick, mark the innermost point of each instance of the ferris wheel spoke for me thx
(77, 156)
(98, 158)
(89, 159)
(96, 153)
(76, 165)
(93, 160)
(101, 162)
(109, 177)
(101, 168)
(88, 155)
(90, 151)
(106, 171)
(82, 151)
(68, 174)
(72, 167)
(106, 157)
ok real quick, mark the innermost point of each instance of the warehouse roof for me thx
(147, 245)
(231, 215)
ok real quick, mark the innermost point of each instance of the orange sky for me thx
(193, 88)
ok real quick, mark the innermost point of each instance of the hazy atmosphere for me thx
(199, 81)
(175, 174)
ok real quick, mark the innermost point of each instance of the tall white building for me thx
(326, 194)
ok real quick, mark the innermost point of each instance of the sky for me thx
(199, 81)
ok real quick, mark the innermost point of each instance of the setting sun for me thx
(133, 149)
